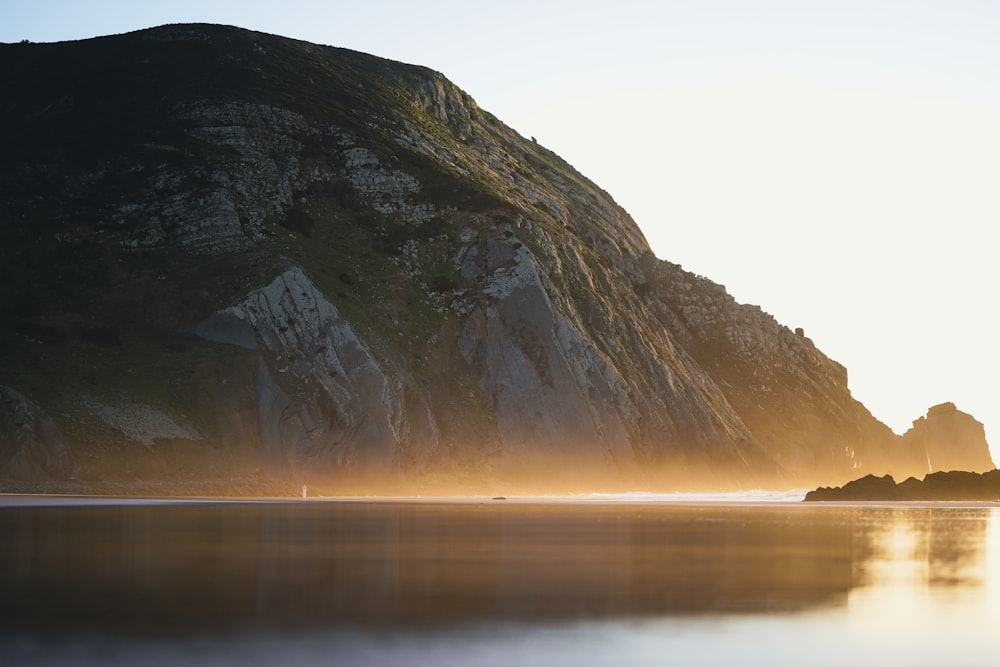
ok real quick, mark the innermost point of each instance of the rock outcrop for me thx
(31, 445)
(322, 399)
(323, 264)
(948, 439)
(953, 486)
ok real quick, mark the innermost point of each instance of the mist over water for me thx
(589, 582)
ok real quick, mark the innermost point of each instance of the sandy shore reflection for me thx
(924, 562)
(179, 570)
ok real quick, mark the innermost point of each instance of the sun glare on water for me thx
(925, 572)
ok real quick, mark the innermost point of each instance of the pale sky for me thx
(836, 163)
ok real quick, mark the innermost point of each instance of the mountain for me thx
(231, 259)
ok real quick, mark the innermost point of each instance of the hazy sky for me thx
(836, 163)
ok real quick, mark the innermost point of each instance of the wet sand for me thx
(482, 581)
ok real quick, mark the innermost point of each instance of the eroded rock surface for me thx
(322, 398)
(31, 445)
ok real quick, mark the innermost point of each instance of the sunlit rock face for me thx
(948, 439)
(324, 263)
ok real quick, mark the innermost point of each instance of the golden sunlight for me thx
(922, 566)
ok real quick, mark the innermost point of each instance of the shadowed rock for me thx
(31, 445)
(940, 486)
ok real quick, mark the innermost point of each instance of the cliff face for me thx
(30, 442)
(947, 439)
(228, 252)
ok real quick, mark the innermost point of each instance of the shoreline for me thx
(68, 499)
(736, 500)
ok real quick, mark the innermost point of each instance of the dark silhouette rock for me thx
(955, 485)
(868, 487)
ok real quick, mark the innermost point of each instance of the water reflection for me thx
(922, 566)
(174, 571)
(926, 547)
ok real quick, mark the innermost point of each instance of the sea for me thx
(632, 579)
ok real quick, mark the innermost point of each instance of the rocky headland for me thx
(955, 485)
(958, 465)
(231, 260)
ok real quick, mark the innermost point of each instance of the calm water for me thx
(498, 583)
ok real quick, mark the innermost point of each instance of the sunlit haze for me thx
(835, 163)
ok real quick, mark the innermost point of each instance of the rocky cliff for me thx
(947, 439)
(230, 255)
